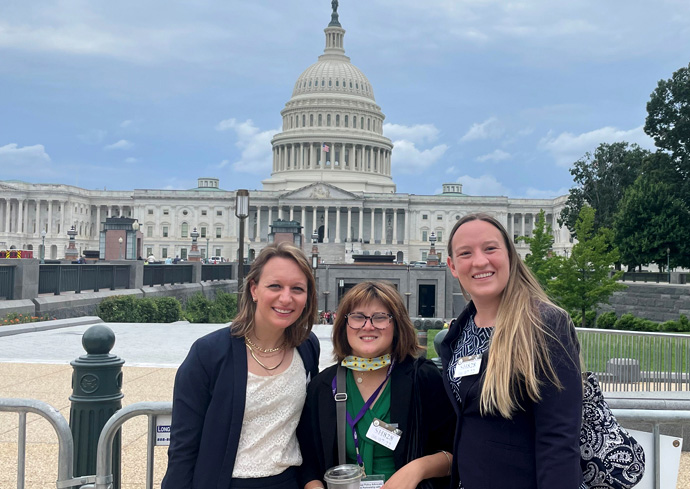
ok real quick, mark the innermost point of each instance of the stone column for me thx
(349, 223)
(38, 218)
(314, 223)
(406, 231)
(270, 216)
(383, 225)
(257, 238)
(325, 225)
(522, 225)
(21, 207)
(395, 226)
(372, 237)
(322, 158)
(50, 217)
(361, 223)
(280, 211)
(303, 222)
(337, 224)
(7, 215)
(292, 212)
(293, 163)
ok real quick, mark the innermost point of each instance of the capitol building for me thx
(332, 172)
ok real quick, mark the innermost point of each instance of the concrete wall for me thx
(77, 305)
(658, 302)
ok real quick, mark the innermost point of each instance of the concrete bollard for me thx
(96, 396)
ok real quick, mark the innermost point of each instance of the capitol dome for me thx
(332, 128)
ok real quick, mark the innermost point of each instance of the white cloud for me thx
(489, 129)
(14, 160)
(126, 123)
(255, 144)
(535, 193)
(417, 134)
(450, 170)
(567, 148)
(131, 160)
(496, 155)
(407, 158)
(484, 185)
(94, 136)
(121, 144)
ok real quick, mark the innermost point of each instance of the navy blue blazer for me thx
(539, 448)
(317, 430)
(208, 408)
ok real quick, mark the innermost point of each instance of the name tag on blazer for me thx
(468, 365)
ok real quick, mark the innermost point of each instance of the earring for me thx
(254, 299)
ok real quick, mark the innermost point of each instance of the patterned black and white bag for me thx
(610, 457)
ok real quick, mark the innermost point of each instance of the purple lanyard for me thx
(362, 412)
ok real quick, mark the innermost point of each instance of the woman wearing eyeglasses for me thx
(399, 424)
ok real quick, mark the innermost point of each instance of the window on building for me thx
(165, 231)
(311, 119)
(304, 120)
(219, 213)
(149, 251)
(217, 232)
(320, 120)
(149, 231)
(184, 230)
(166, 212)
(425, 217)
(203, 213)
(164, 252)
(217, 252)
(346, 121)
(150, 212)
(184, 212)
(424, 255)
(354, 121)
(337, 120)
(328, 119)
(203, 231)
(439, 236)
(439, 217)
(183, 253)
(425, 236)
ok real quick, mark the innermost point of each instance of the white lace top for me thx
(268, 442)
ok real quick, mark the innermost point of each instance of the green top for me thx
(377, 458)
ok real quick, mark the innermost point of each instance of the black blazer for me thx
(539, 448)
(208, 408)
(317, 429)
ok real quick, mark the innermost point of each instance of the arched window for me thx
(320, 120)
(184, 231)
(337, 120)
(346, 121)
(304, 120)
(311, 119)
(354, 121)
(328, 120)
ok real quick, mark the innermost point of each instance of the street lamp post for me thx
(119, 240)
(208, 257)
(314, 251)
(43, 246)
(241, 211)
(668, 263)
(407, 298)
(325, 299)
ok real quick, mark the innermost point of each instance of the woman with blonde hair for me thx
(386, 386)
(239, 393)
(511, 369)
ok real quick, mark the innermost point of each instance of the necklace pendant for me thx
(359, 380)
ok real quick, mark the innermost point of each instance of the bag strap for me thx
(340, 411)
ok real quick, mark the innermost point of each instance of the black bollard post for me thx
(96, 395)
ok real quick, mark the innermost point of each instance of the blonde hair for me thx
(404, 335)
(518, 354)
(297, 332)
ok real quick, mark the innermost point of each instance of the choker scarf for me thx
(366, 364)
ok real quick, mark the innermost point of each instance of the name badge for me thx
(384, 434)
(468, 366)
(372, 482)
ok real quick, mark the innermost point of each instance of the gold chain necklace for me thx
(257, 347)
(251, 351)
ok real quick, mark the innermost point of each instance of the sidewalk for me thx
(36, 366)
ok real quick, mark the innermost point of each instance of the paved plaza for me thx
(35, 365)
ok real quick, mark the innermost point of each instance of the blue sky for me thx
(500, 95)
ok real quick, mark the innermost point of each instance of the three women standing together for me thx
(505, 412)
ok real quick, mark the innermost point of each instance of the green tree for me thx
(582, 280)
(651, 219)
(540, 259)
(600, 182)
(668, 118)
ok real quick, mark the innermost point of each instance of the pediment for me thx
(319, 191)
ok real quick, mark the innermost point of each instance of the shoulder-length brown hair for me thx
(297, 332)
(518, 350)
(404, 336)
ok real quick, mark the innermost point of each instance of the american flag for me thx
(326, 149)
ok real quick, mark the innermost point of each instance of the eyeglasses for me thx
(380, 320)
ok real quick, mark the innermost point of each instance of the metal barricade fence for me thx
(65, 443)
(637, 361)
(104, 457)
